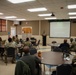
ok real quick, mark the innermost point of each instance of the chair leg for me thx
(50, 69)
(6, 59)
(2, 56)
(13, 59)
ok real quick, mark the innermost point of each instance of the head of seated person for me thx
(16, 36)
(21, 40)
(0, 39)
(65, 40)
(9, 39)
(26, 50)
(27, 39)
(33, 51)
(71, 40)
(13, 38)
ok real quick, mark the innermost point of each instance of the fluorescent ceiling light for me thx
(51, 18)
(37, 9)
(20, 19)
(72, 17)
(71, 6)
(1, 13)
(8, 17)
(72, 13)
(44, 14)
(19, 1)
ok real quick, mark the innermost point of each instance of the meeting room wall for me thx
(33, 24)
(45, 25)
(37, 26)
(4, 35)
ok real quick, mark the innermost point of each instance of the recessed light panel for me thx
(37, 9)
(50, 18)
(44, 14)
(72, 17)
(20, 19)
(19, 1)
(9, 17)
(72, 13)
(1, 13)
(71, 6)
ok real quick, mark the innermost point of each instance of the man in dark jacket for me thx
(64, 46)
(32, 61)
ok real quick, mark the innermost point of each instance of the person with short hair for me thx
(73, 46)
(27, 42)
(32, 61)
(10, 43)
(65, 46)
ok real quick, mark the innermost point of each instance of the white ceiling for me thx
(20, 10)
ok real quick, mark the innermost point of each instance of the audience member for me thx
(71, 40)
(13, 38)
(27, 42)
(64, 46)
(1, 47)
(16, 39)
(73, 46)
(32, 61)
(0, 41)
(10, 43)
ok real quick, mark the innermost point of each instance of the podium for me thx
(44, 40)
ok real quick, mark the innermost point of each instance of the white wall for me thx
(4, 37)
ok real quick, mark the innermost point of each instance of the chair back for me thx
(64, 69)
(53, 42)
(10, 52)
(38, 42)
(65, 49)
(57, 49)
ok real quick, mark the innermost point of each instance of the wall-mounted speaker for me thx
(20, 22)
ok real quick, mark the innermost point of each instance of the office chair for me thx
(57, 49)
(10, 52)
(64, 69)
(65, 49)
(37, 45)
(53, 42)
(52, 47)
(1, 52)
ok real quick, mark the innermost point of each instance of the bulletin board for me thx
(26, 32)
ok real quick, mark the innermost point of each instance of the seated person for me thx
(27, 42)
(16, 39)
(73, 46)
(10, 43)
(0, 41)
(73, 72)
(32, 61)
(64, 46)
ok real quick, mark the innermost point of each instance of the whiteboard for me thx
(60, 29)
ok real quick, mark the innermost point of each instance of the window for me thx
(2, 25)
